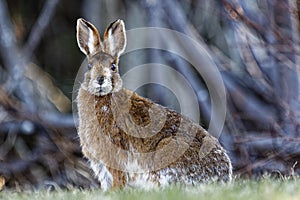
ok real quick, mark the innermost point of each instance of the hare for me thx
(129, 140)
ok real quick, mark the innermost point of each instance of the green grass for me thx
(264, 189)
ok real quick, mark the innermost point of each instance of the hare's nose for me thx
(100, 80)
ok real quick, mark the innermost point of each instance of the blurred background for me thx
(254, 44)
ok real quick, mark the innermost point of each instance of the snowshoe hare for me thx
(128, 139)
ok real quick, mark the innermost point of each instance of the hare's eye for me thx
(89, 66)
(113, 67)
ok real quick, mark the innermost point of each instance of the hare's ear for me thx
(115, 38)
(88, 38)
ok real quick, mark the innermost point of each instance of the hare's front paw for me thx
(102, 174)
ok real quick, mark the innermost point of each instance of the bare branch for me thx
(39, 28)
(295, 34)
(16, 60)
(8, 47)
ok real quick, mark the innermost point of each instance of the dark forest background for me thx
(254, 44)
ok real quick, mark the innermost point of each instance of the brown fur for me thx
(114, 127)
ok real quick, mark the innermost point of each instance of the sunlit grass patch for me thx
(239, 189)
